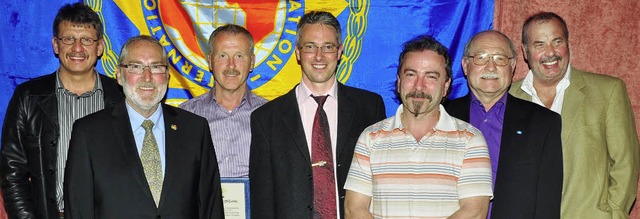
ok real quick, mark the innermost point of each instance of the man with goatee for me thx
(422, 162)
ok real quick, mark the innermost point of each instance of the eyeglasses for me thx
(498, 59)
(310, 48)
(69, 40)
(139, 69)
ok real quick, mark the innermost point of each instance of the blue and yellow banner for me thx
(373, 33)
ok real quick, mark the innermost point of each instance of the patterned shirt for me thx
(230, 130)
(427, 178)
(70, 108)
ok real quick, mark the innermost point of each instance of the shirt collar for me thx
(527, 83)
(475, 102)
(136, 119)
(97, 86)
(445, 121)
(245, 97)
(304, 93)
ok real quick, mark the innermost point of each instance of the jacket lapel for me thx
(171, 144)
(124, 135)
(573, 98)
(293, 123)
(346, 118)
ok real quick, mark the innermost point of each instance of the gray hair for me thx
(125, 49)
(229, 29)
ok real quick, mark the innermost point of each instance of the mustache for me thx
(231, 72)
(146, 84)
(419, 94)
(81, 54)
(551, 59)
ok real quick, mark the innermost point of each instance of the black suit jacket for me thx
(104, 177)
(529, 178)
(281, 179)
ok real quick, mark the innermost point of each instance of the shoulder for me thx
(44, 83)
(99, 118)
(594, 78)
(537, 113)
(598, 85)
(195, 102)
(357, 93)
(181, 114)
(280, 103)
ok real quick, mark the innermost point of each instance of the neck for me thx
(319, 88)
(488, 99)
(146, 113)
(229, 99)
(77, 83)
(419, 125)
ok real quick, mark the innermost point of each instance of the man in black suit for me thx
(283, 157)
(142, 158)
(523, 138)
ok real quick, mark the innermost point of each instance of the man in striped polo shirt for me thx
(420, 162)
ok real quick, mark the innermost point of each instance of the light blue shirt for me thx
(158, 130)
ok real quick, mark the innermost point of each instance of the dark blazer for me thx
(281, 179)
(30, 146)
(529, 178)
(104, 177)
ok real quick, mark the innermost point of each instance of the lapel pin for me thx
(174, 127)
(519, 132)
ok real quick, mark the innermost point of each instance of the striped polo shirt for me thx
(420, 179)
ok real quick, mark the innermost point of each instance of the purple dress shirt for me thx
(230, 130)
(490, 124)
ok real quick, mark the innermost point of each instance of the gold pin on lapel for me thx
(174, 127)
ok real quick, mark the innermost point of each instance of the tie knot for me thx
(147, 125)
(320, 99)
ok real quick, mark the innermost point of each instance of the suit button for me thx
(310, 208)
(310, 177)
(342, 197)
(51, 171)
(339, 165)
(53, 143)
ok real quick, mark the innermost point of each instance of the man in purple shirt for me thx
(229, 104)
(523, 138)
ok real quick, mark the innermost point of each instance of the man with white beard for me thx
(142, 158)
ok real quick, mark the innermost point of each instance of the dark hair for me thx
(229, 29)
(125, 48)
(423, 43)
(512, 48)
(77, 14)
(319, 17)
(540, 18)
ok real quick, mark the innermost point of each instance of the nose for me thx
(421, 82)
(318, 54)
(491, 64)
(549, 50)
(77, 46)
(146, 73)
(232, 63)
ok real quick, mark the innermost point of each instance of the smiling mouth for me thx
(490, 76)
(318, 66)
